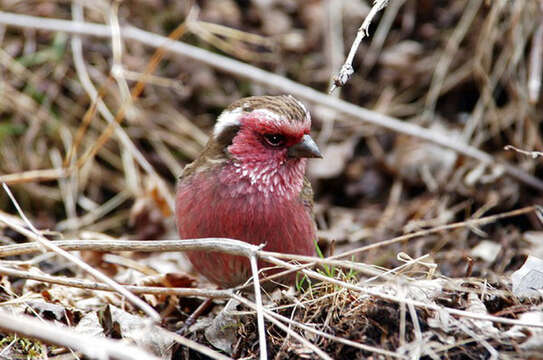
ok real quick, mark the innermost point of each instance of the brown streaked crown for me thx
(285, 106)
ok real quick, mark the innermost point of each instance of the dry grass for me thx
(95, 127)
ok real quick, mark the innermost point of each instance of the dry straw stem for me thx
(234, 247)
(536, 63)
(533, 154)
(34, 175)
(286, 329)
(46, 243)
(259, 309)
(194, 345)
(272, 80)
(114, 121)
(93, 347)
(378, 40)
(335, 338)
(471, 223)
(91, 285)
(447, 57)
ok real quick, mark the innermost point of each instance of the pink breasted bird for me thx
(249, 184)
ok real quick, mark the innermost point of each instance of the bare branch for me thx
(347, 70)
(533, 154)
(91, 285)
(259, 309)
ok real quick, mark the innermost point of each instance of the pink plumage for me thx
(248, 184)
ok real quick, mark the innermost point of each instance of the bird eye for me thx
(274, 139)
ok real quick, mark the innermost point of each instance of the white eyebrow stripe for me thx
(233, 117)
(227, 119)
(268, 114)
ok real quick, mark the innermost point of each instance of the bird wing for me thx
(306, 196)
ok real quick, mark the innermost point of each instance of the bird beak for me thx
(306, 148)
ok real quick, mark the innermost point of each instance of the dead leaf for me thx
(528, 280)
(223, 331)
(139, 331)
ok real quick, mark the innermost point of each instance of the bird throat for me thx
(278, 179)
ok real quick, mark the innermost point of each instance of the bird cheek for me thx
(284, 158)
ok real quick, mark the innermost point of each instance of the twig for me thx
(275, 81)
(347, 70)
(93, 347)
(286, 329)
(184, 292)
(236, 247)
(468, 223)
(533, 154)
(194, 345)
(36, 236)
(259, 309)
(91, 285)
(228, 246)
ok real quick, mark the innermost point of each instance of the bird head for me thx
(266, 139)
(265, 128)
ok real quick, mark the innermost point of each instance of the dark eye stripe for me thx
(274, 139)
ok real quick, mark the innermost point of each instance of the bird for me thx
(249, 184)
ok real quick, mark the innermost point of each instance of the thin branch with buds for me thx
(347, 70)
(533, 154)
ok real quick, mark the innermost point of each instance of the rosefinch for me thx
(248, 184)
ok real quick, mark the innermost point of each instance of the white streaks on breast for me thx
(283, 181)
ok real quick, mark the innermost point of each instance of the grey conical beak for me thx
(306, 148)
